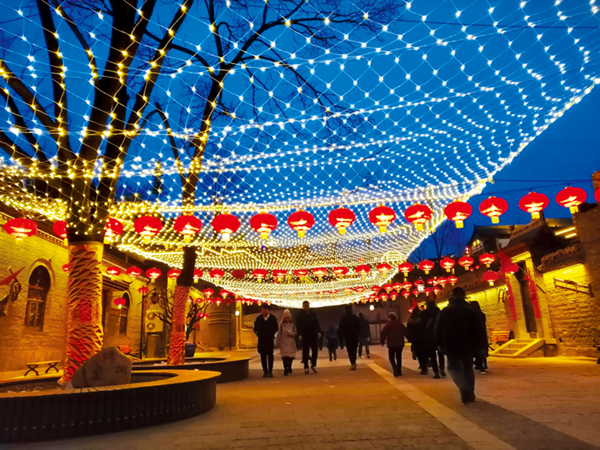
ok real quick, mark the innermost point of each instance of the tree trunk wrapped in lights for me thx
(84, 305)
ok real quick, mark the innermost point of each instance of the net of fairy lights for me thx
(418, 102)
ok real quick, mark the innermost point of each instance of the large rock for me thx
(108, 367)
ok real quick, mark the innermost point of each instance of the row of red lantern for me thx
(301, 221)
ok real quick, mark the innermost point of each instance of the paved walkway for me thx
(530, 404)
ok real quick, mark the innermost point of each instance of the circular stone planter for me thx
(34, 410)
(232, 368)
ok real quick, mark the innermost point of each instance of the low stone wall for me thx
(153, 398)
(231, 368)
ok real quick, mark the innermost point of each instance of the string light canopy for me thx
(390, 103)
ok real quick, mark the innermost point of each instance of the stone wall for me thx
(20, 344)
(493, 306)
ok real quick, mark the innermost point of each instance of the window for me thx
(124, 312)
(39, 285)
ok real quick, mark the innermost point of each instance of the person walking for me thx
(286, 341)
(348, 330)
(393, 333)
(430, 347)
(364, 336)
(415, 329)
(265, 327)
(481, 357)
(459, 333)
(332, 342)
(309, 330)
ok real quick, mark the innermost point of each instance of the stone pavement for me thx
(527, 404)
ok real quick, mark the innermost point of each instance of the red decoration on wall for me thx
(66, 268)
(147, 226)
(458, 212)
(20, 228)
(187, 226)
(301, 221)
(511, 298)
(493, 208)
(534, 203)
(418, 214)
(571, 197)
(133, 271)
(341, 218)
(382, 217)
(60, 229)
(263, 223)
(533, 295)
(226, 224)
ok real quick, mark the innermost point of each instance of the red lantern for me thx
(301, 273)
(436, 289)
(407, 285)
(187, 226)
(397, 286)
(341, 218)
(405, 268)
(428, 291)
(224, 294)
(534, 203)
(466, 262)
(405, 294)
(432, 281)
(263, 223)
(279, 274)
(490, 276)
(226, 224)
(259, 274)
(197, 275)
(384, 268)
(416, 292)
(571, 197)
(217, 274)
(597, 195)
(173, 274)
(375, 288)
(340, 271)
(387, 288)
(60, 229)
(419, 283)
(512, 268)
(447, 263)
(301, 221)
(359, 289)
(120, 302)
(112, 230)
(238, 274)
(133, 272)
(208, 292)
(418, 214)
(382, 217)
(393, 295)
(320, 272)
(20, 228)
(487, 259)
(426, 266)
(66, 268)
(363, 270)
(442, 281)
(383, 297)
(458, 212)
(153, 274)
(143, 290)
(147, 226)
(113, 271)
(493, 207)
(452, 279)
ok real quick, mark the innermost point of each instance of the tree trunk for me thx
(182, 293)
(84, 305)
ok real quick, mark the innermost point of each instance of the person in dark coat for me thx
(393, 333)
(481, 357)
(265, 328)
(332, 342)
(309, 330)
(430, 348)
(415, 329)
(348, 330)
(459, 333)
(364, 336)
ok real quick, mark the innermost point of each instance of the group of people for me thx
(457, 332)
